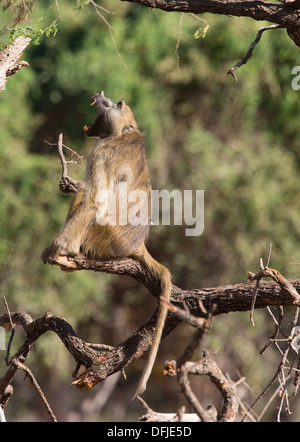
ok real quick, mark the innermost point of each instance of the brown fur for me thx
(119, 157)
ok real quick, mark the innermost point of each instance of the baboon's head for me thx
(112, 118)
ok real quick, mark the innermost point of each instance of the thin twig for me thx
(12, 327)
(67, 184)
(253, 303)
(267, 405)
(269, 256)
(277, 327)
(260, 396)
(110, 29)
(61, 156)
(58, 10)
(284, 284)
(178, 41)
(279, 374)
(30, 375)
(80, 157)
(189, 394)
(284, 395)
(262, 267)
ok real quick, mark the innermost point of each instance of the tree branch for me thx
(102, 361)
(251, 49)
(237, 297)
(284, 14)
(36, 386)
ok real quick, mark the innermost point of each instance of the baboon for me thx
(96, 225)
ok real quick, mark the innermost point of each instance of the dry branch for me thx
(15, 361)
(101, 363)
(9, 59)
(284, 15)
(237, 297)
(206, 366)
(251, 49)
(219, 300)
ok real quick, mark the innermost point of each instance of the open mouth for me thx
(103, 103)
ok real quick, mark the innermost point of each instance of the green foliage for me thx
(19, 10)
(80, 4)
(34, 33)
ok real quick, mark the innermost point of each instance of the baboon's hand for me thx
(58, 249)
(50, 254)
(68, 185)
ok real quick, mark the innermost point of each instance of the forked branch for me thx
(99, 361)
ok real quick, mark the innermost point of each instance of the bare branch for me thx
(208, 367)
(12, 327)
(285, 14)
(101, 362)
(67, 184)
(280, 373)
(280, 280)
(97, 9)
(277, 327)
(23, 367)
(251, 49)
(9, 59)
(240, 295)
(183, 367)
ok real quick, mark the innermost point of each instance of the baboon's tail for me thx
(164, 276)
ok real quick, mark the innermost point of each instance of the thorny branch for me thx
(289, 352)
(229, 389)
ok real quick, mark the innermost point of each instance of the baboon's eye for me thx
(127, 129)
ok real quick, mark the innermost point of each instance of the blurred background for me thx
(237, 141)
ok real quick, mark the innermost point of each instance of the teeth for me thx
(85, 128)
(93, 102)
